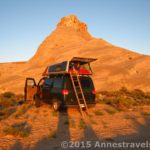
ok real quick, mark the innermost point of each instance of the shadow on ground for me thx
(63, 134)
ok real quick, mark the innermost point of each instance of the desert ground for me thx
(48, 128)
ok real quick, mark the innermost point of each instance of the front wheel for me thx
(37, 101)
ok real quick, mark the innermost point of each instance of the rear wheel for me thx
(56, 105)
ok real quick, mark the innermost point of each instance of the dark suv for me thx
(58, 91)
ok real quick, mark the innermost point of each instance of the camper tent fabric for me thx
(60, 67)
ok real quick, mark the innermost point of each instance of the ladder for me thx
(78, 91)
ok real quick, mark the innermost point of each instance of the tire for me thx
(56, 105)
(37, 101)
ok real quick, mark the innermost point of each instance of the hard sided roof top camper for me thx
(64, 84)
(65, 66)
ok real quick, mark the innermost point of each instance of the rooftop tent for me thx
(85, 68)
(64, 67)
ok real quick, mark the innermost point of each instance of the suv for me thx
(58, 91)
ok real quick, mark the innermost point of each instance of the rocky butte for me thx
(115, 67)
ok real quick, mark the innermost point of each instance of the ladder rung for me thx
(77, 86)
(75, 80)
(74, 76)
(80, 99)
(78, 90)
(82, 105)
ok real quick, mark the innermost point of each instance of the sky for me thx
(24, 24)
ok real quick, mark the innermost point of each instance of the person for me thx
(75, 68)
(81, 69)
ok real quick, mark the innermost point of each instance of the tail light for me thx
(93, 92)
(65, 92)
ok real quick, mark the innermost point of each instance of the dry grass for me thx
(22, 110)
(98, 113)
(82, 124)
(124, 99)
(112, 111)
(6, 112)
(8, 104)
(18, 129)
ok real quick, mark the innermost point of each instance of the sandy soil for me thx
(131, 126)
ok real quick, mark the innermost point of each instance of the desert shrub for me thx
(19, 113)
(112, 111)
(22, 110)
(98, 113)
(124, 91)
(8, 99)
(124, 98)
(138, 94)
(5, 113)
(6, 102)
(18, 129)
(8, 95)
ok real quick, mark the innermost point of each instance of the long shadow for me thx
(62, 134)
(89, 137)
(17, 146)
(142, 130)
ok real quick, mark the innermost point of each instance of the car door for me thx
(30, 88)
(47, 87)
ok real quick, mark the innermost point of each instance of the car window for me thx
(58, 67)
(48, 83)
(30, 82)
(86, 66)
(86, 83)
(58, 82)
